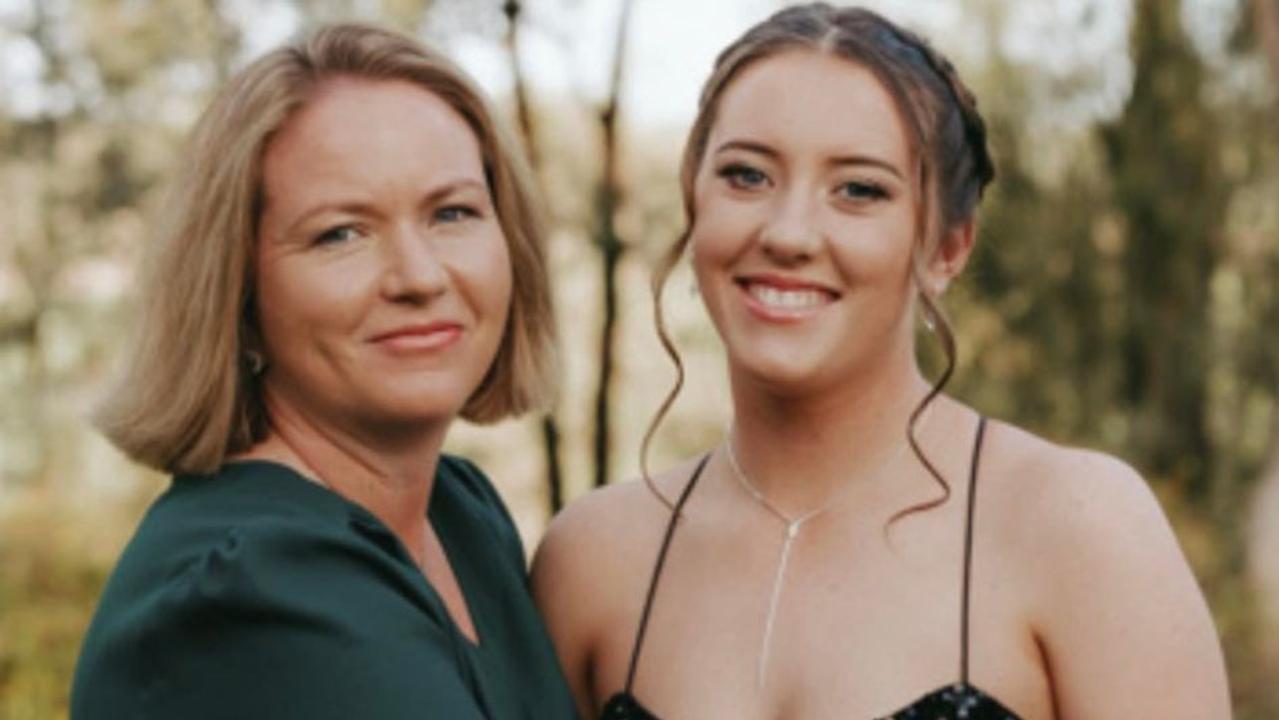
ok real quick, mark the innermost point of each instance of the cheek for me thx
(710, 257)
(483, 268)
(878, 252)
(299, 299)
(721, 233)
(501, 281)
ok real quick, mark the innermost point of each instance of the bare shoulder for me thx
(1110, 596)
(1066, 500)
(592, 567)
(611, 523)
(595, 558)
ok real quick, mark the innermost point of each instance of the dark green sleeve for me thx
(499, 518)
(283, 622)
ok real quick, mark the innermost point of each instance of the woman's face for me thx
(804, 222)
(384, 281)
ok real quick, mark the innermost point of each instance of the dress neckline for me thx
(960, 699)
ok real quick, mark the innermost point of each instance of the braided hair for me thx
(947, 135)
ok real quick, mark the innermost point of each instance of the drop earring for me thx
(255, 362)
(928, 305)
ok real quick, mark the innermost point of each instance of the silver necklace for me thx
(793, 524)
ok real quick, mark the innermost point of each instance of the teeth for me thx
(787, 299)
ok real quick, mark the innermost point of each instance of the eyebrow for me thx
(839, 161)
(443, 191)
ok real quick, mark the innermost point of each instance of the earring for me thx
(927, 313)
(255, 361)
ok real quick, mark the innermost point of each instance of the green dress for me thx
(256, 593)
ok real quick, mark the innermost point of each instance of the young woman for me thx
(861, 545)
(336, 284)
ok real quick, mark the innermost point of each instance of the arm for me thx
(1125, 627)
(271, 623)
(566, 597)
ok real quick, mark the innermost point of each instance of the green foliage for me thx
(1163, 157)
(55, 554)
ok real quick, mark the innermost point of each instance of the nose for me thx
(412, 270)
(791, 233)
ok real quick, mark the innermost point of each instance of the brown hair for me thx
(948, 144)
(188, 398)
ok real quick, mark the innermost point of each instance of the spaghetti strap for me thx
(968, 551)
(657, 571)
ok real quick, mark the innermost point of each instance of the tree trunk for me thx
(611, 248)
(524, 118)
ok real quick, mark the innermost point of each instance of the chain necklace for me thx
(793, 524)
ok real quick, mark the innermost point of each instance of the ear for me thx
(951, 256)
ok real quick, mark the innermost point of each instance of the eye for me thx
(743, 177)
(337, 235)
(863, 191)
(455, 213)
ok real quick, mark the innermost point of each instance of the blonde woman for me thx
(350, 262)
(862, 546)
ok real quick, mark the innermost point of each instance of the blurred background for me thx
(1123, 296)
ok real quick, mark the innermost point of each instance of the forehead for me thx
(356, 125)
(806, 100)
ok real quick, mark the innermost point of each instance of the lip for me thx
(785, 282)
(774, 313)
(419, 337)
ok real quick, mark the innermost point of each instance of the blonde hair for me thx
(188, 398)
(946, 133)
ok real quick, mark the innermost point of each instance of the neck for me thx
(391, 479)
(800, 450)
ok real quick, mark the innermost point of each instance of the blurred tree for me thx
(80, 164)
(549, 424)
(1042, 299)
(609, 198)
(1163, 154)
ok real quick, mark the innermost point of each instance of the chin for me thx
(783, 375)
(410, 402)
(406, 420)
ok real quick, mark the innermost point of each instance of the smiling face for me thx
(805, 221)
(383, 276)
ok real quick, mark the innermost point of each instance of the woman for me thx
(861, 545)
(335, 285)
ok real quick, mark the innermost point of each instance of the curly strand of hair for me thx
(982, 170)
(661, 273)
(946, 337)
